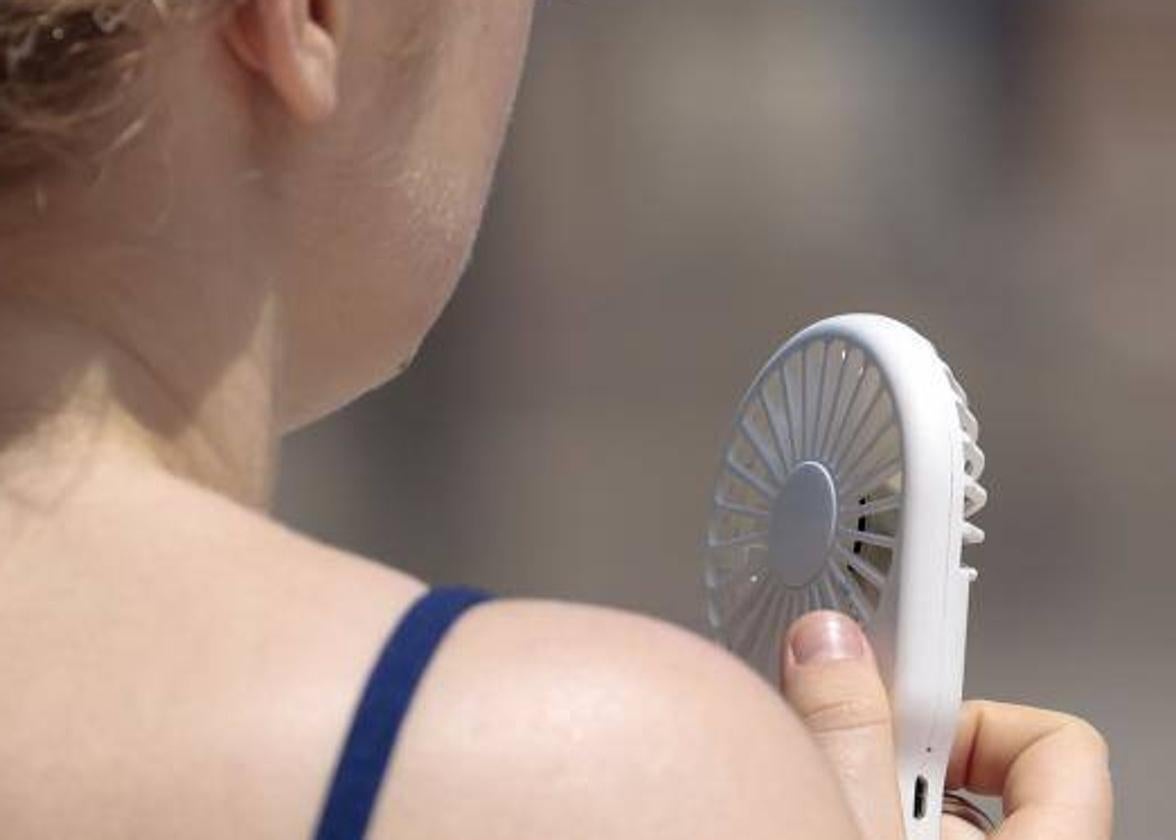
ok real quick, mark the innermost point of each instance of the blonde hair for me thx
(66, 67)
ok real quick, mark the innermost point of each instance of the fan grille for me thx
(823, 409)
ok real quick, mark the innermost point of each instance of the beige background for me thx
(689, 182)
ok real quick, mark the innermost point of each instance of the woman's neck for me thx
(115, 352)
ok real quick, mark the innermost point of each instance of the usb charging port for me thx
(920, 798)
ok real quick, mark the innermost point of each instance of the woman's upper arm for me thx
(541, 719)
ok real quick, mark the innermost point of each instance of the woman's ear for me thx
(295, 45)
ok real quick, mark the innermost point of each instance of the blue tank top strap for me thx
(383, 706)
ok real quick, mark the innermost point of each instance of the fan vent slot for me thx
(975, 496)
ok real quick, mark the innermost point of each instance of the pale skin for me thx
(176, 664)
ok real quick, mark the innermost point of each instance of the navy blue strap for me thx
(381, 711)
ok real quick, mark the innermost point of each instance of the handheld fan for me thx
(847, 484)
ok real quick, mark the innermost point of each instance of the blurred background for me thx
(688, 183)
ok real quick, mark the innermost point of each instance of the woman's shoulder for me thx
(176, 664)
(191, 668)
(551, 719)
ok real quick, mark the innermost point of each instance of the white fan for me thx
(847, 484)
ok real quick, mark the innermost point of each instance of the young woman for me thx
(218, 221)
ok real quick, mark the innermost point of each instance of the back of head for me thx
(68, 71)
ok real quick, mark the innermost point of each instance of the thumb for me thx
(831, 679)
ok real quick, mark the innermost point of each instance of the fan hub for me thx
(803, 524)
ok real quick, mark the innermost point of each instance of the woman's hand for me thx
(1049, 768)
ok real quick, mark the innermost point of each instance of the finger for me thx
(831, 679)
(953, 828)
(1050, 768)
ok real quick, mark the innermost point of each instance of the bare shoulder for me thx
(185, 668)
(547, 719)
(178, 666)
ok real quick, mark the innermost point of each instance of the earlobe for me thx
(294, 45)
